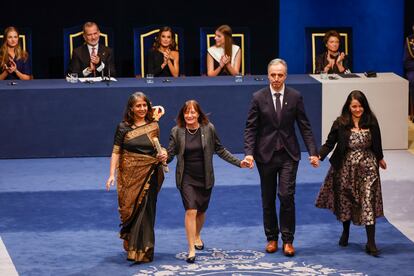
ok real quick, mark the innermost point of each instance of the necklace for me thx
(192, 131)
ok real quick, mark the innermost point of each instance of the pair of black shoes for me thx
(371, 250)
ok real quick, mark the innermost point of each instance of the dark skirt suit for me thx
(194, 172)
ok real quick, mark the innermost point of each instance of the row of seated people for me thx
(93, 58)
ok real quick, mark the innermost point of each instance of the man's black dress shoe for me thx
(199, 247)
(191, 260)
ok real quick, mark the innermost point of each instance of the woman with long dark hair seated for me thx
(163, 58)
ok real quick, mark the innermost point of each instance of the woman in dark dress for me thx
(224, 57)
(139, 177)
(14, 61)
(352, 187)
(163, 58)
(194, 141)
(332, 61)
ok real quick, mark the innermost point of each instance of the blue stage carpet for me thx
(74, 232)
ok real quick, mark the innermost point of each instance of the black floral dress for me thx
(354, 191)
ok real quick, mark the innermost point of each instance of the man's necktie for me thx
(278, 107)
(279, 145)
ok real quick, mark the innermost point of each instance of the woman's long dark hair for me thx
(129, 113)
(368, 118)
(202, 117)
(157, 42)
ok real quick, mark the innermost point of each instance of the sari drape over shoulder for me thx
(139, 178)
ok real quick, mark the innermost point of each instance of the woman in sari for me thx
(139, 176)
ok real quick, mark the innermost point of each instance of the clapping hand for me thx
(314, 161)
(224, 60)
(12, 66)
(95, 59)
(340, 58)
(331, 63)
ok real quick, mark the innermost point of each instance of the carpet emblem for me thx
(219, 262)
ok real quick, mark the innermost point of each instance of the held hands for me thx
(247, 162)
(110, 182)
(314, 161)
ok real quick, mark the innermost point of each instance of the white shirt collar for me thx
(282, 91)
(90, 48)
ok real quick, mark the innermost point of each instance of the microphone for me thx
(159, 150)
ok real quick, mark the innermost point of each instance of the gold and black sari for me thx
(139, 178)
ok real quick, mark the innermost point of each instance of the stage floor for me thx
(58, 220)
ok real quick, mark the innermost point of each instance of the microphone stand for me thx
(107, 79)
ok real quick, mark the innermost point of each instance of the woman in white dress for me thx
(223, 58)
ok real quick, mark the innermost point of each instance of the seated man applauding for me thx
(92, 59)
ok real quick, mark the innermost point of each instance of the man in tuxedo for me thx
(92, 59)
(270, 140)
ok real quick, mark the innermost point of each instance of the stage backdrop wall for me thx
(378, 31)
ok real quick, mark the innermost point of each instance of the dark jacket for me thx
(321, 61)
(339, 136)
(210, 143)
(262, 126)
(81, 60)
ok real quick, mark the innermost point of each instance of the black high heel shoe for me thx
(343, 241)
(373, 251)
(191, 260)
(199, 247)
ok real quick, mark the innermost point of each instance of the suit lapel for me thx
(102, 53)
(285, 102)
(181, 140)
(203, 136)
(86, 55)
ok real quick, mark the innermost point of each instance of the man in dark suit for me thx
(270, 140)
(92, 59)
